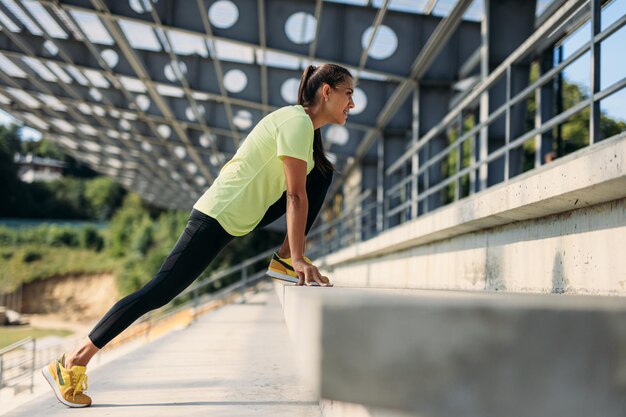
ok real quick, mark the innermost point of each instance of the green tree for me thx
(124, 223)
(11, 188)
(102, 195)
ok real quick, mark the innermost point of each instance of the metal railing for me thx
(20, 361)
(17, 363)
(454, 120)
(409, 195)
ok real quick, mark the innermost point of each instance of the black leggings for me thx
(201, 241)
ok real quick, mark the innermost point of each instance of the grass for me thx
(10, 335)
(31, 262)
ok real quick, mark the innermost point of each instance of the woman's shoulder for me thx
(288, 112)
(295, 115)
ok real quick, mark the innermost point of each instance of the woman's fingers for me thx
(316, 277)
(309, 275)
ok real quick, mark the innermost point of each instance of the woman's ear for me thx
(326, 91)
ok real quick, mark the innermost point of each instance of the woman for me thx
(282, 155)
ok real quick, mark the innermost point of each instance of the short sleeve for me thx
(295, 138)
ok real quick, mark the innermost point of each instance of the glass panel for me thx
(613, 114)
(576, 39)
(573, 134)
(576, 77)
(611, 12)
(612, 59)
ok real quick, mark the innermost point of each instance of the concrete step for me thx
(453, 353)
(235, 361)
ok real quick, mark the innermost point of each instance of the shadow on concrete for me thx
(559, 280)
(209, 403)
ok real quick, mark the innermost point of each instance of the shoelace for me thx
(81, 384)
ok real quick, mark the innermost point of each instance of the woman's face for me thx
(339, 101)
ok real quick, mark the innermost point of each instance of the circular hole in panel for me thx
(95, 94)
(200, 181)
(115, 163)
(143, 101)
(175, 176)
(243, 119)
(385, 42)
(51, 47)
(99, 110)
(162, 162)
(289, 90)
(146, 146)
(215, 161)
(164, 130)
(141, 6)
(360, 101)
(110, 57)
(180, 152)
(300, 27)
(192, 168)
(235, 81)
(124, 124)
(175, 70)
(223, 14)
(190, 114)
(338, 135)
(206, 140)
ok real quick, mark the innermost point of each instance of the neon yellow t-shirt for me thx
(254, 178)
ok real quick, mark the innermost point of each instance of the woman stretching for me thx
(280, 167)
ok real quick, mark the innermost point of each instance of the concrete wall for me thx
(560, 229)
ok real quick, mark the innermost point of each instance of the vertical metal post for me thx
(244, 281)
(380, 189)
(32, 368)
(507, 124)
(459, 160)
(594, 111)
(426, 176)
(196, 303)
(1, 372)
(415, 158)
(538, 106)
(559, 105)
(483, 170)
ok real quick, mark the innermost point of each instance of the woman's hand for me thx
(309, 274)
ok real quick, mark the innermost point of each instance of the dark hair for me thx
(312, 79)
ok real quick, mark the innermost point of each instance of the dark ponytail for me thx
(312, 79)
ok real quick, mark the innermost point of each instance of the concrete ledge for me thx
(588, 177)
(452, 353)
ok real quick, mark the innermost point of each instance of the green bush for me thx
(31, 256)
(62, 236)
(90, 238)
(142, 239)
(123, 225)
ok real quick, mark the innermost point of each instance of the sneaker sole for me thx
(53, 384)
(287, 278)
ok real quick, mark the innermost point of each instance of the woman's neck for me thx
(317, 116)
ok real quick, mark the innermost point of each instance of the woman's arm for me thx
(297, 204)
(297, 210)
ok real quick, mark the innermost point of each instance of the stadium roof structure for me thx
(159, 94)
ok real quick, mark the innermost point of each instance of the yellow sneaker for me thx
(281, 268)
(68, 385)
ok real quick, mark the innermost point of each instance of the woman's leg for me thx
(200, 242)
(316, 187)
